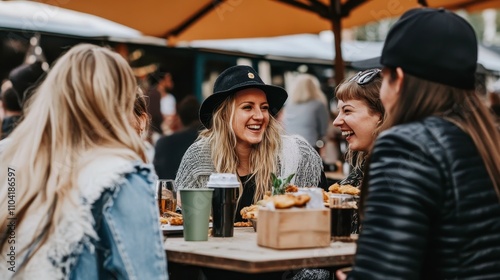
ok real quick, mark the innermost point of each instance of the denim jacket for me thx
(109, 228)
(130, 243)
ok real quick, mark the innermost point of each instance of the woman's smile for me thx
(251, 116)
(357, 124)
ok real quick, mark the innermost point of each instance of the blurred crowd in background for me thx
(309, 110)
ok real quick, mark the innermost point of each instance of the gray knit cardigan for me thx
(296, 156)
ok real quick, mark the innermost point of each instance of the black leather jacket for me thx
(431, 209)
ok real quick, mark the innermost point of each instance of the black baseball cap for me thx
(435, 45)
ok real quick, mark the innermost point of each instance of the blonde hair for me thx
(421, 98)
(369, 94)
(84, 104)
(305, 88)
(263, 157)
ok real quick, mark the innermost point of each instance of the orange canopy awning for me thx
(185, 20)
(247, 18)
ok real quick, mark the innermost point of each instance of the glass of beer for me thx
(167, 197)
(342, 208)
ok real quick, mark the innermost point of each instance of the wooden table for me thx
(241, 254)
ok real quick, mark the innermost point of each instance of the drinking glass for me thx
(342, 208)
(225, 186)
(167, 196)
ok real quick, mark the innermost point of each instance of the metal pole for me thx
(335, 16)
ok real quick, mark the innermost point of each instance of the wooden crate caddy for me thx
(293, 228)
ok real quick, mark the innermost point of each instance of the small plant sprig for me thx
(280, 184)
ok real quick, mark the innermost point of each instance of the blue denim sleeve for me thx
(131, 221)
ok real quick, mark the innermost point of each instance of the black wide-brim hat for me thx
(234, 79)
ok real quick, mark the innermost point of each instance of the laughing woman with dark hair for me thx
(360, 117)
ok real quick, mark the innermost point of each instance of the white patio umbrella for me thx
(314, 47)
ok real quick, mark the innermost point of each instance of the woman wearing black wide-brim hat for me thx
(243, 137)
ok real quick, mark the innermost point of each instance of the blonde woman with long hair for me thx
(243, 137)
(81, 202)
(432, 194)
(306, 113)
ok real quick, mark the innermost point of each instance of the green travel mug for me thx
(196, 207)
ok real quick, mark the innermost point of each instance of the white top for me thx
(167, 104)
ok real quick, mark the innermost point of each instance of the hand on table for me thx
(340, 275)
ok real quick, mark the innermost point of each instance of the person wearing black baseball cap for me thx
(431, 196)
(242, 137)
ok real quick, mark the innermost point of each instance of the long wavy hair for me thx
(83, 109)
(263, 157)
(369, 94)
(305, 88)
(421, 98)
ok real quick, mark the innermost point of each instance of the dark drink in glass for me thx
(223, 210)
(341, 221)
(225, 188)
(342, 210)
